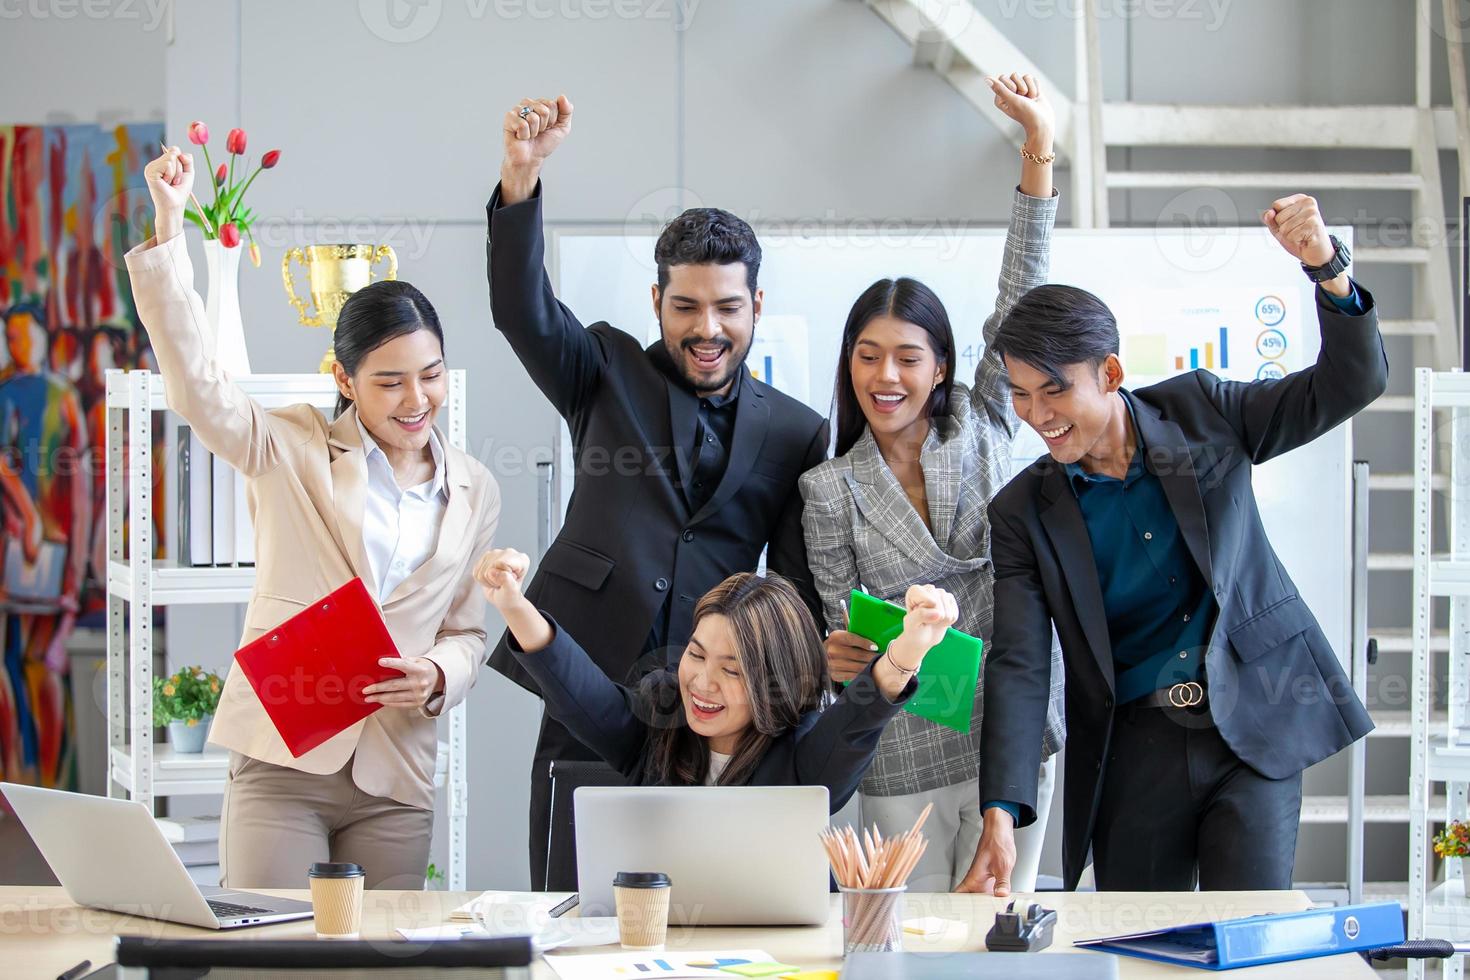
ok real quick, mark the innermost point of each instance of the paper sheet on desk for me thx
(658, 965)
(533, 908)
(577, 932)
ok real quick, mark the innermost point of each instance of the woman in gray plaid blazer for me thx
(918, 458)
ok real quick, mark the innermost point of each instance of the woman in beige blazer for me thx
(375, 493)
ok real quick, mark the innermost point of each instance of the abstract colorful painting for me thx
(72, 202)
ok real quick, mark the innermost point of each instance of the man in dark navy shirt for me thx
(1199, 685)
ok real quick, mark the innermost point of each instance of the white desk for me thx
(42, 933)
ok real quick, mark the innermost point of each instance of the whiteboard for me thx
(1228, 299)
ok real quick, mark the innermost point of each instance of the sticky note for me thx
(759, 969)
(927, 926)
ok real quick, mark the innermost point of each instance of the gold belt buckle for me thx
(1186, 695)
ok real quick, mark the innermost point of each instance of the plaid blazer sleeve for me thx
(1025, 265)
(826, 524)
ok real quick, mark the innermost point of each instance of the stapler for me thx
(1024, 927)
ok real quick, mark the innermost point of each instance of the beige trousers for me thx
(277, 822)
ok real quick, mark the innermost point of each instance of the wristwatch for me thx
(1340, 260)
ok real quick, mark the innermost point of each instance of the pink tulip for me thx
(198, 133)
(235, 141)
(271, 158)
(255, 255)
(219, 175)
(229, 234)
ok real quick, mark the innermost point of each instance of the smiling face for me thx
(894, 371)
(707, 316)
(398, 388)
(712, 686)
(1077, 419)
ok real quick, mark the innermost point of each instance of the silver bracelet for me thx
(906, 671)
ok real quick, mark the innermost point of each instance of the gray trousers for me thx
(953, 830)
(277, 822)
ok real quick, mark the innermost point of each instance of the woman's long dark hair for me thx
(903, 299)
(782, 664)
(374, 315)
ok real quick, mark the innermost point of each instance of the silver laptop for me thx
(110, 854)
(737, 855)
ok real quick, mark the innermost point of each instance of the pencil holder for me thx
(872, 920)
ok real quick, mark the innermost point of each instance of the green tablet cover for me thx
(947, 678)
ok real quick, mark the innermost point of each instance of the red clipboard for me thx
(309, 671)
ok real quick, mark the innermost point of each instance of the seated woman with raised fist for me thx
(743, 706)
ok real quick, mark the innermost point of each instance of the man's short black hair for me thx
(707, 236)
(1053, 327)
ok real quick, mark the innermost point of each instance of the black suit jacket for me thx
(832, 747)
(629, 540)
(1277, 693)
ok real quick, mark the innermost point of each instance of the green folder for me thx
(947, 678)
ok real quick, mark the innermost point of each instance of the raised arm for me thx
(1276, 416)
(1026, 263)
(836, 751)
(231, 424)
(576, 691)
(561, 356)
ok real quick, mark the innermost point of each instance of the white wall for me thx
(776, 109)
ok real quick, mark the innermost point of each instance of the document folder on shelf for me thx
(1263, 939)
(949, 674)
(309, 671)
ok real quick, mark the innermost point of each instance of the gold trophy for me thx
(334, 272)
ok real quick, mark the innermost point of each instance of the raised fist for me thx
(1020, 97)
(500, 573)
(533, 131)
(931, 611)
(1297, 224)
(170, 178)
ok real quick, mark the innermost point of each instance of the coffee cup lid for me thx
(641, 879)
(326, 869)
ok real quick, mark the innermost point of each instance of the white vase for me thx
(222, 307)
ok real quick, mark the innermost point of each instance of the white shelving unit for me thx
(136, 583)
(1438, 754)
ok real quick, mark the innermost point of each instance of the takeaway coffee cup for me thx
(336, 899)
(643, 908)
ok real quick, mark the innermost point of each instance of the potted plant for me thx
(225, 221)
(185, 702)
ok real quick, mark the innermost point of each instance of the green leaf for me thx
(229, 200)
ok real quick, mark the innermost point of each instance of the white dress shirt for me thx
(400, 528)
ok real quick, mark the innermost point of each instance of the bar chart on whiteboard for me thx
(1242, 335)
(779, 354)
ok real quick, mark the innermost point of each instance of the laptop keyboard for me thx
(227, 910)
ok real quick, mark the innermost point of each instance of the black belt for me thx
(1189, 694)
